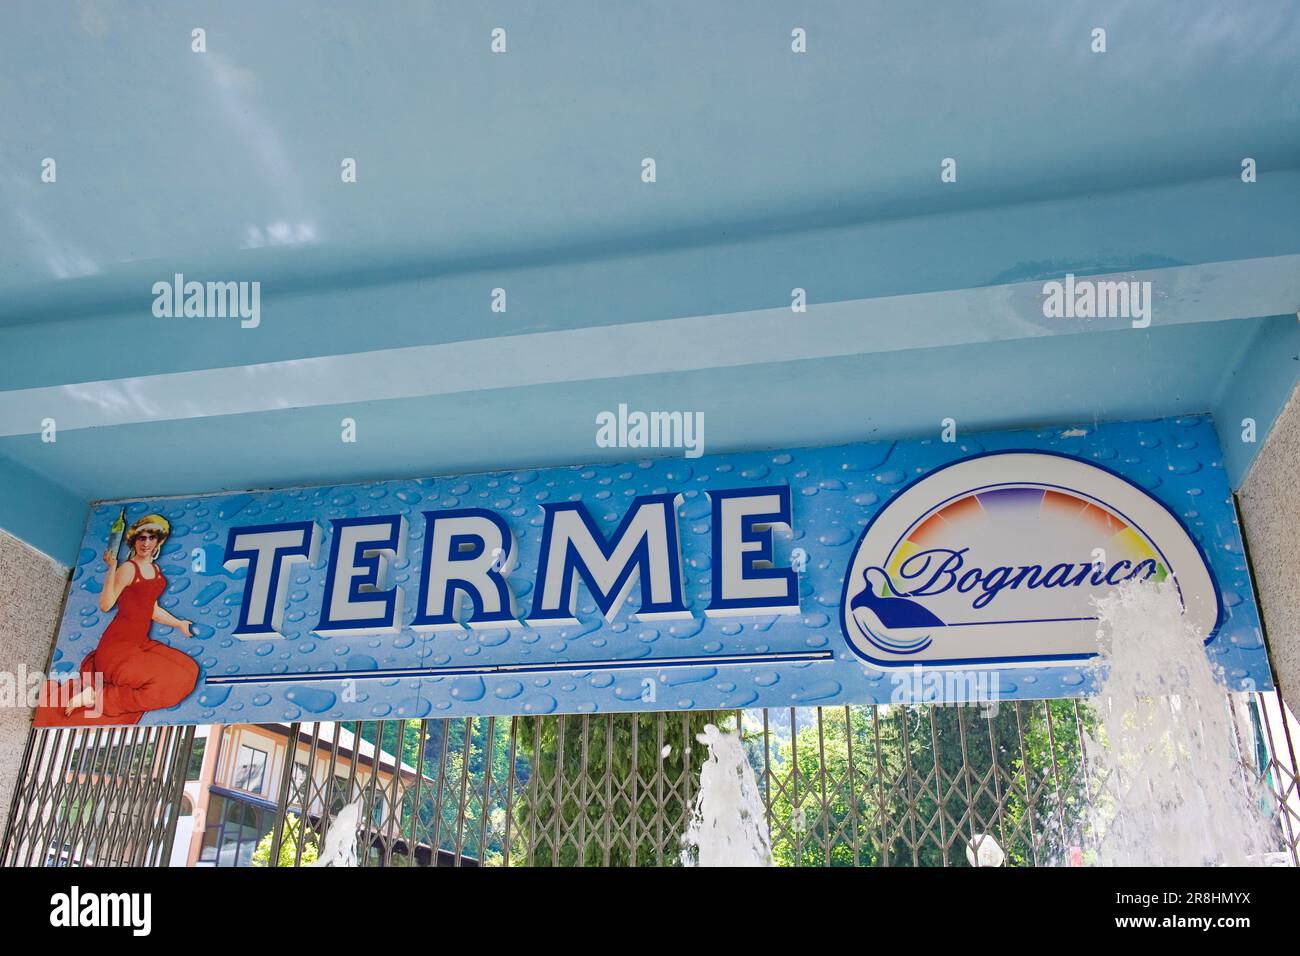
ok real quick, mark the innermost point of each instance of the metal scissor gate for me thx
(105, 796)
(846, 786)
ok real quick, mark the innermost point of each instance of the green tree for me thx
(446, 806)
(288, 847)
(609, 790)
(401, 738)
(909, 786)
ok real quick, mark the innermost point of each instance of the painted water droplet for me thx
(316, 700)
(494, 638)
(232, 506)
(835, 537)
(507, 690)
(817, 690)
(685, 629)
(214, 696)
(540, 704)
(680, 676)
(698, 507)
(468, 688)
(414, 707)
(210, 591)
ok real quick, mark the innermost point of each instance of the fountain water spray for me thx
(341, 841)
(1177, 791)
(728, 826)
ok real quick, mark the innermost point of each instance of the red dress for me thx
(139, 674)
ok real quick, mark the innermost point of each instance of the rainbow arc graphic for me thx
(970, 517)
(900, 624)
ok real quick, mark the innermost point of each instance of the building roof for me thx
(348, 744)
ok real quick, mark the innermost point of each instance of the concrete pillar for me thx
(1270, 507)
(32, 586)
(207, 775)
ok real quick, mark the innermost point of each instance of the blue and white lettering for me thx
(268, 551)
(467, 553)
(919, 564)
(935, 571)
(744, 579)
(357, 596)
(644, 547)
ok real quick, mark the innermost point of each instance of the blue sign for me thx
(805, 577)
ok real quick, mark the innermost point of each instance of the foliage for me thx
(901, 786)
(288, 847)
(456, 761)
(912, 785)
(592, 819)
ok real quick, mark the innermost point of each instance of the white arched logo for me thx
(994, 560)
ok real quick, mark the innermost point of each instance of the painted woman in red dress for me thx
(138, 674)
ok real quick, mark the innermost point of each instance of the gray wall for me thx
(1270, 506)
(31, 595)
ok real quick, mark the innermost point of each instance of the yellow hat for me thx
(149, 523)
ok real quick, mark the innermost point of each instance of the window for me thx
(250, 769)
(195, 767)
(341, 796)
(233, 832)
(301, 791)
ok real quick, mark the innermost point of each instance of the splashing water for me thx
(1177, 793)
(728, 826)
(341, 840)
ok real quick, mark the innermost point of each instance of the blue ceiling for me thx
(522, 171)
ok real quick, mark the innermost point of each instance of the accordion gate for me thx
(847, 786)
